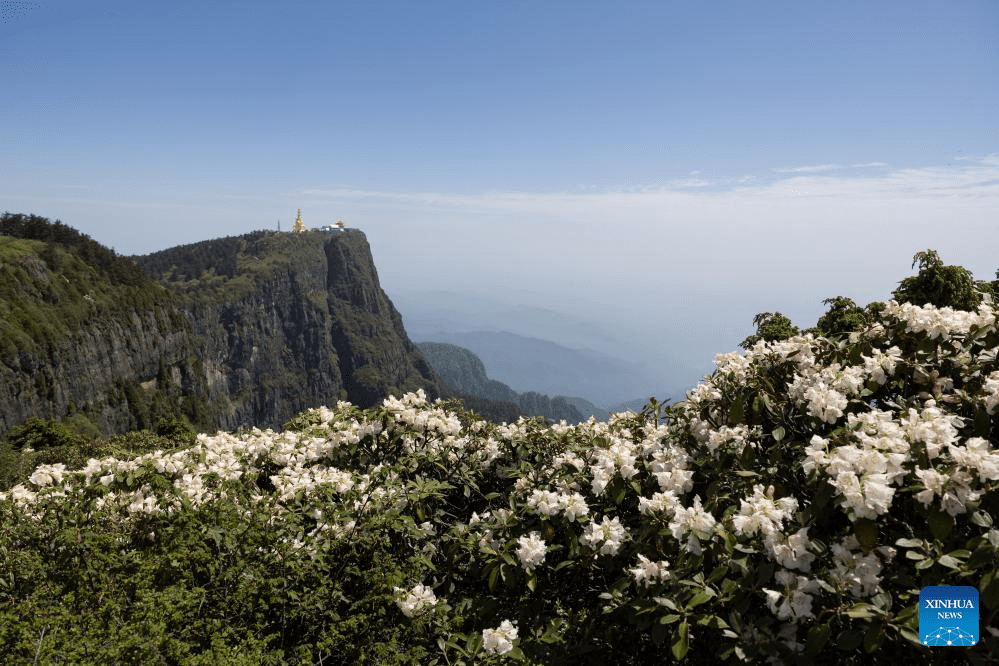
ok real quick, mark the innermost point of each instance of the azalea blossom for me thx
(499, 640)
(608, 535)
(415, 601)
(532, 550)
(648, 572)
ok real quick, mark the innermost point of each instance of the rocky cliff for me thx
(234, 332)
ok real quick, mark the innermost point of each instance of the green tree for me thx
(39, 433)
(940, 285)
(770, 326)
(843, 316)
(176, 429)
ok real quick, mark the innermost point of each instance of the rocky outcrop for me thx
(462, 372)
(246, 331)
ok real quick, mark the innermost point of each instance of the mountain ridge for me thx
(463, 373)
(249, 332)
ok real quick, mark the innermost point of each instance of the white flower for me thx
(991, 389)
(600, 479)
(857, 572)
(881, 365)
(574, 506)
(658, 503)
(761, 514)
(415, 600)
(791, 552)
(934, 483)
(47, 475)
(532, 550)
(794, 602)
(499, 640)
(977, 454)
(688, 520)
(675, 480)
(544, 502)
(825, 403)
(611, 533)
(648, 572)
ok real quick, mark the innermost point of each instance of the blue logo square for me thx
(948, 615)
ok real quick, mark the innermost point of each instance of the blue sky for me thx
(670, 167)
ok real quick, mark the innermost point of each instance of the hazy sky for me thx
(672, 167)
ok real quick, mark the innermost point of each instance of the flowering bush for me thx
(790, 509)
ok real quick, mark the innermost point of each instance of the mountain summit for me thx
(232, 332)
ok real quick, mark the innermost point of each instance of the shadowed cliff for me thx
(233, 332)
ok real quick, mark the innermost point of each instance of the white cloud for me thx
(888, 189)
(820, 167)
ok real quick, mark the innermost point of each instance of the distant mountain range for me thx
(536, 349)
(462, 373)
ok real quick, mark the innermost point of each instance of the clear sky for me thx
(671, 167)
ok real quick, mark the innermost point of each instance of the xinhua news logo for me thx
(948, 615)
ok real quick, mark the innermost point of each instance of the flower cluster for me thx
(499, 640)
(413, 602)
(777, 489)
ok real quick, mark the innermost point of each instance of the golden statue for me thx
(299, 226)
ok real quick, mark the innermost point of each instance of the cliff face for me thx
(243, 331)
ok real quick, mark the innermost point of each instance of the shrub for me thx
(38, 433)
(176, 429)
(789, 510)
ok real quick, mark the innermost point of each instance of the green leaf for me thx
(736, 412)
(860, 611)
(713, 621)
(778, 433)
(949, 562)
(872, 640)
(849, 640)
(941, 524)
(989, 589)
(983, 556)
(981, 518)
(680, 643)
(909, 543)
(817, 638)
(866, 531)
(982, 422)
(700, 598)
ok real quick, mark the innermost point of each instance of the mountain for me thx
(526, 363)
(546, 349)
(462, 374)
(232, 332)
(588, 409)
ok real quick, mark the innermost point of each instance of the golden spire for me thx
(299, 224)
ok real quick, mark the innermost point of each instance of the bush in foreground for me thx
(789, 510)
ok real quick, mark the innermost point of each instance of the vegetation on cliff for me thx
(54, 279)
(224, 333)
